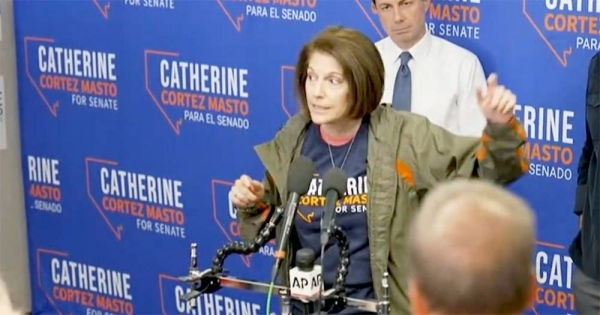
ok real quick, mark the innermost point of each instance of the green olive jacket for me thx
(407, 156)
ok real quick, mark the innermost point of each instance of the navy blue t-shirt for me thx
(350, 214)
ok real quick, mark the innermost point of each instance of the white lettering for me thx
(232, 210)
(215, 304)
(169, 230)
(234, 122)
(43, 170)
(586, 6)
(299, 15)
(77, 62)
(550, 171)
(459, 31)
(267, 251)
(183, 75)
(161, 4)
(554, 270)
(591, 43)
(142, 187)
(357, 186)
(546, 124)
(103, 103)
(255, 10)
(52, 207)
(354, 186)
(91, 278)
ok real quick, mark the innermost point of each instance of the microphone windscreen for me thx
(300, 175)
(335, 179)
(305, 259)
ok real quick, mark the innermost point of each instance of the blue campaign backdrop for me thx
(137, 115)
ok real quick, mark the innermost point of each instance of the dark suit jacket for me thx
(585, 249)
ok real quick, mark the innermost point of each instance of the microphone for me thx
(305, 278)
(334, 186)
(300, 175)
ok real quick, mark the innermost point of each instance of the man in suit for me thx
(585, 249)
(426, 74)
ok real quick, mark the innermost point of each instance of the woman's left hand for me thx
(498, 103)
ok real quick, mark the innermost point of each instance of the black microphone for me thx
(334, 186)
(300, 175)
(305, 278)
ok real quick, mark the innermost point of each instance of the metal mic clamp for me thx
(193, 268)
(286, 301)
(384, 304)
(209, 281)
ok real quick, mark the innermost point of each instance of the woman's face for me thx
(327, 91)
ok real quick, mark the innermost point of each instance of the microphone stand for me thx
(213, 279)
(338, 302)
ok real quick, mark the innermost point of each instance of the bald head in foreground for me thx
(470, 251)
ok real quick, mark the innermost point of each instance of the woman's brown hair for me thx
(360, 61)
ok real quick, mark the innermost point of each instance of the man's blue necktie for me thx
(402, 86)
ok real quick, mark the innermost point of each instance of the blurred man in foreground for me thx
(470, 251)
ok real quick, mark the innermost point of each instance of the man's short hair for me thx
(470, 249)
(360, 61)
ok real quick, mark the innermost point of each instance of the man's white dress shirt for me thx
(445, 78)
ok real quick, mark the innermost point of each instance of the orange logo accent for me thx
(117, 230)
(52, 107)
(235, 21)
(174, 123)
(561, 55)
(166, 281)
(103, 6)
(39, 253)
(287, 100)
(370, 16)
(308, 218)
(219, 190)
